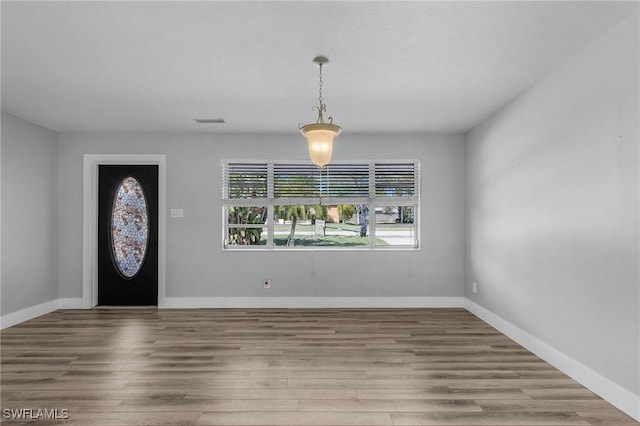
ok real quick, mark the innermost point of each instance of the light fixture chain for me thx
(320, 91)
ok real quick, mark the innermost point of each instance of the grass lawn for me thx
(287, 228)
(309, 228)
(329, 241)
(343, 226)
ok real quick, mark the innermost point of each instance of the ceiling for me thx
(394, 66)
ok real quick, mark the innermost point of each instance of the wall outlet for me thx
(410, 274)
(267, 283)
(475, 287)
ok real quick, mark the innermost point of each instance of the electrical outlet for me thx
(410, 274)
(267, 283)
(475, 287)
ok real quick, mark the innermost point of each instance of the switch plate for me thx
(177, 213)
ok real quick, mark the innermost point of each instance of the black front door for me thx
(128, 235)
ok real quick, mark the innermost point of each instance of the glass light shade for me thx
(320, 137)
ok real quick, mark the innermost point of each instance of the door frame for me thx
(90, 220)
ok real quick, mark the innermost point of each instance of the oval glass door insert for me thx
(129, 227)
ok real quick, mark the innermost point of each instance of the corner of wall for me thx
(613, 393)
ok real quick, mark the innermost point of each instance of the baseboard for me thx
(619, 397)
(32, 312)
(313, 302)
(26, 314)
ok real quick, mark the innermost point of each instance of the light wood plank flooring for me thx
(284, 367)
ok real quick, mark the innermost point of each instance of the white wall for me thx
(552, 209)
(29, 214)
(198, 267)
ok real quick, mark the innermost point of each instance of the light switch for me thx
(177, 213)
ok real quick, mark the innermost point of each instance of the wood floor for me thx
(284, 367)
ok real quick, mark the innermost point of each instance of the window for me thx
(297, 205)
(246, 225)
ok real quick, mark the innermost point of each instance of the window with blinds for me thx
(343, 205)
(290, 180)
(395, 179)
(244, 180)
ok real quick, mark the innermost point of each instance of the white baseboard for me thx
(32, 312)
(618, 396)
(26, 314)
(313, 302)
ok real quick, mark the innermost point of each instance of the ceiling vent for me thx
(209, 120)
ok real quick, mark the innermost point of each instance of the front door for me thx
(128, 235)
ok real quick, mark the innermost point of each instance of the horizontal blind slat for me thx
(395, 179)
(245, 180)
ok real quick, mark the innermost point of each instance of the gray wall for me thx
(198, 267)
(552, 209)
(29, 214)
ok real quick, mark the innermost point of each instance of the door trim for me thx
(90, 220)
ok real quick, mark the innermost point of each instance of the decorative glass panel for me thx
(129, 227)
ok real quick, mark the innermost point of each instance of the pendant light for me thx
(320, 135)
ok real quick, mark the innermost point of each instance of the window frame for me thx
(270, 201)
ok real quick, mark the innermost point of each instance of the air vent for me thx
(209, 120)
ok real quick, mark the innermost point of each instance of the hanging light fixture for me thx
(320, 135)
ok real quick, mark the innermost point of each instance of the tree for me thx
(361, 212)
(245, 216)
(288, 212)
(319, 211)
(293, 213)
(346, 211)
(405, 214)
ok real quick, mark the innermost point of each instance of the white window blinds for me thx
(245, 180)
(395, 179)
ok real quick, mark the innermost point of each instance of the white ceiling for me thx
(395, 66)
